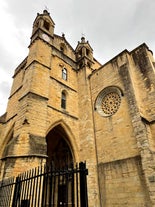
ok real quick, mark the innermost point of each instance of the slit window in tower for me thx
(63, 100)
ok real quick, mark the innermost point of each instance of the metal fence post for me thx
(16, 196)
(83, 184)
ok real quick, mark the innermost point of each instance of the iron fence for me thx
(46, 187)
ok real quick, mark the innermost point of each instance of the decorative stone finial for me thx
(45, 11)
(83, 39)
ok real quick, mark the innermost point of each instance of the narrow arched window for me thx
(63, 100)
(64, 73)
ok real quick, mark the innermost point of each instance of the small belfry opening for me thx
(58, 148)
(46, 25)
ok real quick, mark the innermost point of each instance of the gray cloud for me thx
(5, 87)
(4, 94)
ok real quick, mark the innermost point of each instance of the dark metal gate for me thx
(46, 187)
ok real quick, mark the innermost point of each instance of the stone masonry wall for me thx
(122, 183)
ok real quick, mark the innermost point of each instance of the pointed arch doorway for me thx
(60, 156)
(59, 150)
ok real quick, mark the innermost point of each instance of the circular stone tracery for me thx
(108, 101)
(111, 103)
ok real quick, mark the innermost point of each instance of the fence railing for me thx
(46, 186)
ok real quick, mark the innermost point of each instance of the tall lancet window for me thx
(63, 100)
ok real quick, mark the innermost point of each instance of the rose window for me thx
(111, 103)
(108, 101)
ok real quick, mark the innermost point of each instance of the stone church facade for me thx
(65, 107)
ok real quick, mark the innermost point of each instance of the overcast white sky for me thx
(110, 26)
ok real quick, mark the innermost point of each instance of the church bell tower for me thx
(43, 27)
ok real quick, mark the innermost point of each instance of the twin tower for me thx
(66, 107)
